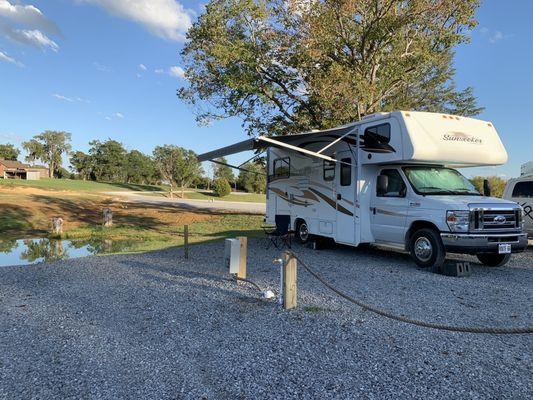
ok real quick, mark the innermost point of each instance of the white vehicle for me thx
(389, 180)
(520, 190)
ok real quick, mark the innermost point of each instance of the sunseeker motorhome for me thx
(389, 180)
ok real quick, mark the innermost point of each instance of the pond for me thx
(32, 251)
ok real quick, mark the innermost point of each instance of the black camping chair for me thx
(280, 235)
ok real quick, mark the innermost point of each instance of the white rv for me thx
(389, 180)
(520, 190)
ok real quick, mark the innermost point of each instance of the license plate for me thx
(504, 248)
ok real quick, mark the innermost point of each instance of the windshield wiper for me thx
(438, 189)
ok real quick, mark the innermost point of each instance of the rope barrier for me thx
(387, 314)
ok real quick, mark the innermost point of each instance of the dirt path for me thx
(204, 205)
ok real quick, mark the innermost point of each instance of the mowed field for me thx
(28, 206)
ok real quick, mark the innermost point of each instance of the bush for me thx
(221, 187)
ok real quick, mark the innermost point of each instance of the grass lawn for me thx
(77, 185)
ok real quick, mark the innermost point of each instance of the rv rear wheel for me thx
(493, 259)
(427, 249)
(302, 232)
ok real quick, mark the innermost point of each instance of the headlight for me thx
(458, 221)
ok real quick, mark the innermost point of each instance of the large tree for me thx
(9, 152)
(140, 168)
(48, 147)
(252, 177)
(222, 170)
(82, 164)
(178, 166)
(293, 65)
(108, 160)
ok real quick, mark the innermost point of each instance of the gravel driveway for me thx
(158, 327)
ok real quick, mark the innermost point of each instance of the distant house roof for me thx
(13, 164)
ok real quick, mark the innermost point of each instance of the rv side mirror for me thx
(486, 188)
(382, 185)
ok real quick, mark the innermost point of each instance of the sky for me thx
(104, 69)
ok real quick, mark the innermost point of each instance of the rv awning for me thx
(310, 143)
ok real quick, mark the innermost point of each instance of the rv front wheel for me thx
(302, 232)
(427, 249)
(493, 259)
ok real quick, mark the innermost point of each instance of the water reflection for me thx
(31, 251)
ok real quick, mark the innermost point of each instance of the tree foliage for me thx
(223, 171)
(497, 184)
(178, 166)
(82, 164)
(48, 147)
(252, 178)
(221, 187)
(9, 152)
(292, 65)
(108, 160)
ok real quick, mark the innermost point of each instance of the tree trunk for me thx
(182, 192)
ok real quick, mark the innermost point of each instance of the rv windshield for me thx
(439, 181)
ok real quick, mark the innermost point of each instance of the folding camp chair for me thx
(280, 235)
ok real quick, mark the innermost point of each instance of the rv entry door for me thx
(345, 180)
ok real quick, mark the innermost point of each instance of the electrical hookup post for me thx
(288, 276)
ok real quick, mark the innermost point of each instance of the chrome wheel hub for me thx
(423, 249)
(303, 232)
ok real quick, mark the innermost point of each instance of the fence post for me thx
(290, 281)
(108, 217)
(57, 226)
(186, 241)
(243, 257)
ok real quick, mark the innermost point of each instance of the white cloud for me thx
(167, 19)
(6, 58)
(70, 99)
(174, 71)
(64, 98)
(494, 36)
(177, 72)
(27, 15)
(26, 24)
(101, 67)
(143, 67)
(119, 115)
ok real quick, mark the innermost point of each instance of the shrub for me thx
(221, 187)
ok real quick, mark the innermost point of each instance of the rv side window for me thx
(346, 172)
(282, 167)
(379, 134)
(329, 170)
(523, 189)
(396, 186)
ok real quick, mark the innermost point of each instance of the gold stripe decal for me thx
(332, 202)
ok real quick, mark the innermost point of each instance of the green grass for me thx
(78, 185)
(247, 198)
(141, 239)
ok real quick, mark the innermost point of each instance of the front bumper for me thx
(482, 243)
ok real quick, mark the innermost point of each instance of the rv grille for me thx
(496, 220)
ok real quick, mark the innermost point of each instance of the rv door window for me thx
(378, 134)
(523, 189)
(329, 170)
(346, 172)
(396, 186)
(282, 167)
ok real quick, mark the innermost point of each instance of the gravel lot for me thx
(157, 326)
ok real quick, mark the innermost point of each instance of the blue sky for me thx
(102, 69)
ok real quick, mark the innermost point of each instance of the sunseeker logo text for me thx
(461, 137)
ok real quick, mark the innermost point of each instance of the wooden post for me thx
(57, 226)
(243, 258)
(108, 217)
(186, 241)
(290, 281)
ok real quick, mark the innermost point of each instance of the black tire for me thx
(426, 248)
(493, 259)
(302, 232)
